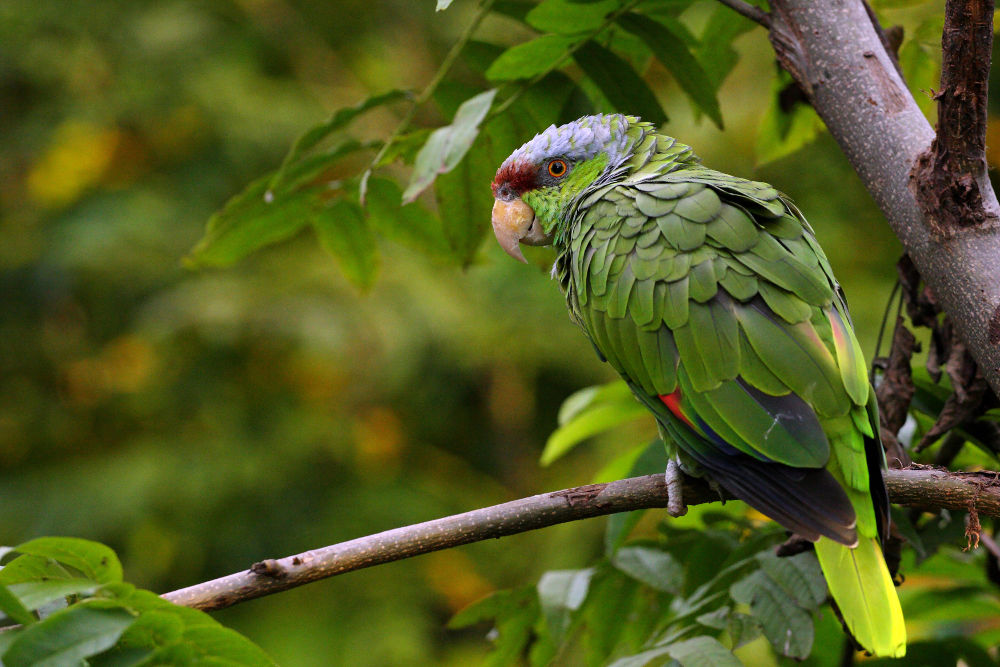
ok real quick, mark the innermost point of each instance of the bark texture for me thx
(835, 54)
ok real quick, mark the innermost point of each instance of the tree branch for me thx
(923, 488)
(836, 56)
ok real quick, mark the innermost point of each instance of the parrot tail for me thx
(863, 590)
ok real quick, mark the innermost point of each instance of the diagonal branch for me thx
(924, 488)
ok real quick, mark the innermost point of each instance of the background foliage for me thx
(198, 419)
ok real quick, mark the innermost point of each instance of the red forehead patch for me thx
(519, 177)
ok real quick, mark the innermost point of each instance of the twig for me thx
(429, 89)
(916, 487)
(746, 9)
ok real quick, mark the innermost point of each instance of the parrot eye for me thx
(557, 168)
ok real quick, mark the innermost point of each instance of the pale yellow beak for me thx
(514, 223)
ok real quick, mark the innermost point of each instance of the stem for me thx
(746, 9)
(429, 89)
(917, 487)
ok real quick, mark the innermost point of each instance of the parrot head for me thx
(535, 186)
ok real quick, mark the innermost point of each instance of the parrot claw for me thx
(675, 490)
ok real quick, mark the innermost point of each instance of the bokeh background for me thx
(198, 421)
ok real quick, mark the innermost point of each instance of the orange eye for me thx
(557, 168)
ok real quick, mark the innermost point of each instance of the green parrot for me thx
(711, 297)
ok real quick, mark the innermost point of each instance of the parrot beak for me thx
(514, 223)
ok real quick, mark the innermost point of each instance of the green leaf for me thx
(35, 594)
(412, 224)
(564, 18)
(787, 626)
(67, 637)
(95, 560)
(530, 59)
(615, 391)
(799, 576)
(588, 424)
(344, 233)
(653, 567)
(318, 133)
(223, 645)
(447, 145)
(703, 652)
(643, 659)
(782, 133)
(663, 39)
(464, 199)
(258, 216)
(14, 607)
(619, 83)
(715, 49)
(561, 592)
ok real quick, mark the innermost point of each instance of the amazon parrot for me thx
(711, 297)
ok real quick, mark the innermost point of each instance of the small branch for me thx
(949, 176)
(755, 14)
(916, 487)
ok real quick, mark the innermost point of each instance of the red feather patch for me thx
(519, 177)
(673, 403)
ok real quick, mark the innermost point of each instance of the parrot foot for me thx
(675, 490)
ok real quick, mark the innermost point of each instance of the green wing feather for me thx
(686, 278)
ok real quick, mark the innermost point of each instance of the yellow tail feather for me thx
(860, 583)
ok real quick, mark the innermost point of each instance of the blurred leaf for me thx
(530, 59)
(619, 83)
(561, 592)
(615, 391)
(563, 18)
(715, 49)
(442, 5)
(703, 652)
(68, 636)
(338, 120)
(788, 627)
(920, 60)
(410, 224)
(643, 659)
(587, 424)
(258, 217)
(405, 147)
(782, 132)
(653, 567)
(447, 145)
(14, 607)
(344, 233)
(945, 651)
(664, 40)
(96, 561)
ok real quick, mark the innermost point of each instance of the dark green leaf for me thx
(258, 217)
(464, 199)
(411, 225)
(318, 133)
(563, 18)
(715, 50)
(447, 145)
(782, 132)
(96, 561)
(14, 607)
(787, 626)
(619, 83)
(664, 41)
(344, 233)
(529, 59)
(653, 567)
(799, 576)
(67, 637)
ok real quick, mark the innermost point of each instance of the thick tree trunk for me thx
(835, 54)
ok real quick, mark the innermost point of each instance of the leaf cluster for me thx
(70, 604)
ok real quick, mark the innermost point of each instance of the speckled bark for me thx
(922, 488)
(836, 56)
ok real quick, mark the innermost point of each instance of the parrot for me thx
(711, 297)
